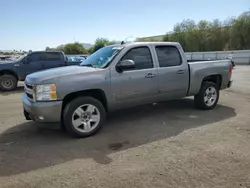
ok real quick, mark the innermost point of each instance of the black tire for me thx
(199, 99)
(8, 82)
(69, 110)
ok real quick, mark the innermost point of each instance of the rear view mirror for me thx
(125, 65)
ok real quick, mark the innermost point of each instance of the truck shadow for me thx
(28, 147)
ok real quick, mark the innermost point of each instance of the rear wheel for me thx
(208, 96)
(8, 82)
(84, 116)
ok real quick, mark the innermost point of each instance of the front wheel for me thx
(208, 96)
(84, 116)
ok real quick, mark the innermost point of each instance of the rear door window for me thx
(168, 56)
(52, 56)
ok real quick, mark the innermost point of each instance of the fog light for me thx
(40, 117)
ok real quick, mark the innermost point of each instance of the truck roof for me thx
(147, 43)
(47, 51)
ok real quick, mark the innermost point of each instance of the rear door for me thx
(52, 60)
(138, 85)
(173, 72)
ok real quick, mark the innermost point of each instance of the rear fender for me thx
(214, 71)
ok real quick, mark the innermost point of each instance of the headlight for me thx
(46, 92)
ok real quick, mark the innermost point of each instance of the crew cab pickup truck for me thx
(121, 76)
(13, 71)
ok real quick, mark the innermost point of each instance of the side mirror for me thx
(26, 60)
(125, 65)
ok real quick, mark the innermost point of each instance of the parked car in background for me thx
(16, 70)
(70, 59)
(76, 58)
(121, 76)
(84, 56)
(80, 58)
(5, 58)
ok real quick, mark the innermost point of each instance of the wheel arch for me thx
(95, 93)
(10, 72)
(216, 78)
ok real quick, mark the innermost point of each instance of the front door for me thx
(33, 63)
(138, 85)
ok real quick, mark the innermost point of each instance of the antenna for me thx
(122, 42)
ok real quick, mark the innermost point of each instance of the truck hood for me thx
(9, 64)
(6, 62)
(56, 73)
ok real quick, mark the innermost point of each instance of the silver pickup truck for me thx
(121, 76)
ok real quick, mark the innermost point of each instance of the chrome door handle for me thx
(150, 75)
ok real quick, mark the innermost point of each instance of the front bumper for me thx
(44, 112)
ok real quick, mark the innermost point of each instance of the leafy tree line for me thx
(216, 35)
(230, 34)
(77, 48)
(71, 48)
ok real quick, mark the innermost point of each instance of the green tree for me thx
(73, 48)
(114, 42)
(101, 42)
(217, 35)
(240, 33)
(90, 50)
(53, 49)
(47, 48)
(155, 39)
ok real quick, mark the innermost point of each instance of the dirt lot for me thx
(164, 145)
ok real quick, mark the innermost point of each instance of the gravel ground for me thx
(164, 145)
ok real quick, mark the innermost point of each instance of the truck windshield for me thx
(102, 57)
(20, 58)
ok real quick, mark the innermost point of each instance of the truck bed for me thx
(201, 69)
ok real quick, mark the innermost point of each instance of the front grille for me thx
(29, 86)
(29, 95)
(29, 90)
